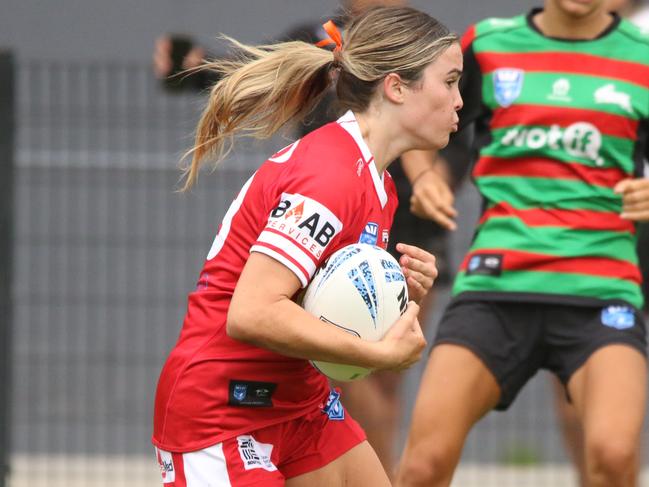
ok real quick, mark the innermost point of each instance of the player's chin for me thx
(443, 141)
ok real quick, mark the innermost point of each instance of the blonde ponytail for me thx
(263, 89)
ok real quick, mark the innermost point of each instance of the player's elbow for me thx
(241, 323)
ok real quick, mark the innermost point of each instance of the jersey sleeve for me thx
(312, 209)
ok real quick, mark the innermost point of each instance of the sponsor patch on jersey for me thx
(385, 237)
(370, 234)
(508, 85)
(485, 265)
(304, 221)
(560, 91)
(334, 408)
(251, 394)
(618, 317)
(255, 454)
(579, 139)
(166, 464)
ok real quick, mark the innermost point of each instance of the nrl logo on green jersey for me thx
(580, 139)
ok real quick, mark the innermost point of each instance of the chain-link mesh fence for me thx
(104, 253)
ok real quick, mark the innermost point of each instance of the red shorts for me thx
(267, 456)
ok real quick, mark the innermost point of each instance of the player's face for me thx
(430, 110)
(579, 8)
(615, 5)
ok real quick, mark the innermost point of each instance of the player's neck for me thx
(552, 22)
(380, 142)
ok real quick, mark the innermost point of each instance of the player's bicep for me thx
(263, 282)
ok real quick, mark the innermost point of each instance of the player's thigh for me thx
(456, 390)
(609, 392)
(359, 466)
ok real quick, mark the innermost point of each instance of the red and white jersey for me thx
(315, 196)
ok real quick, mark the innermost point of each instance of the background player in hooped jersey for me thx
(560, 101)
(237, 401)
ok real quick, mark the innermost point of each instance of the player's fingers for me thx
(622, 186)
(638, 196)
(426, 282)
(637, 216)
(426, 209)
(426, 268)
(439, 196)
(635, 207)
(447, 197)
(416, 291)
(415, 252)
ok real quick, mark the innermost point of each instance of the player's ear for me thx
(394, 88)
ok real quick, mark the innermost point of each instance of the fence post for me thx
(6, 234)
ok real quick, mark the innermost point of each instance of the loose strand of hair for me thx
(261, 90)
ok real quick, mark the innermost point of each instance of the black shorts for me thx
(515, 340)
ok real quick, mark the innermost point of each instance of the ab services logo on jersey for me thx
(305, 221)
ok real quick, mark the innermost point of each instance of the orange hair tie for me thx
(334, 36)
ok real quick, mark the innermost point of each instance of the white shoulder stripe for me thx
(286, 153)
(304, 280)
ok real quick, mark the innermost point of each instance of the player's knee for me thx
(426, 464)
(611, 457)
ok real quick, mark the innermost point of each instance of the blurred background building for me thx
(99, 252)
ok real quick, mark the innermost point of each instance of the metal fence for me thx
(104, 253)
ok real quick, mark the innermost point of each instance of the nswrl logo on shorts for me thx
(618, 317)
(334, 408)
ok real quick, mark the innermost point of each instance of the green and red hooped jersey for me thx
(557, 123)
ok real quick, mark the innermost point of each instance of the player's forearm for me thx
(286, 328)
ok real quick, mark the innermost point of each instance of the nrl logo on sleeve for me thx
(508, 84)
(370, 234)
(306, 222)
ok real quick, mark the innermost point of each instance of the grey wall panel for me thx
(125, 29)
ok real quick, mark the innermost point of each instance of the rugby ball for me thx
(361, 290)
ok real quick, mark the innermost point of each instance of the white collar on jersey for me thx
(349, 123)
